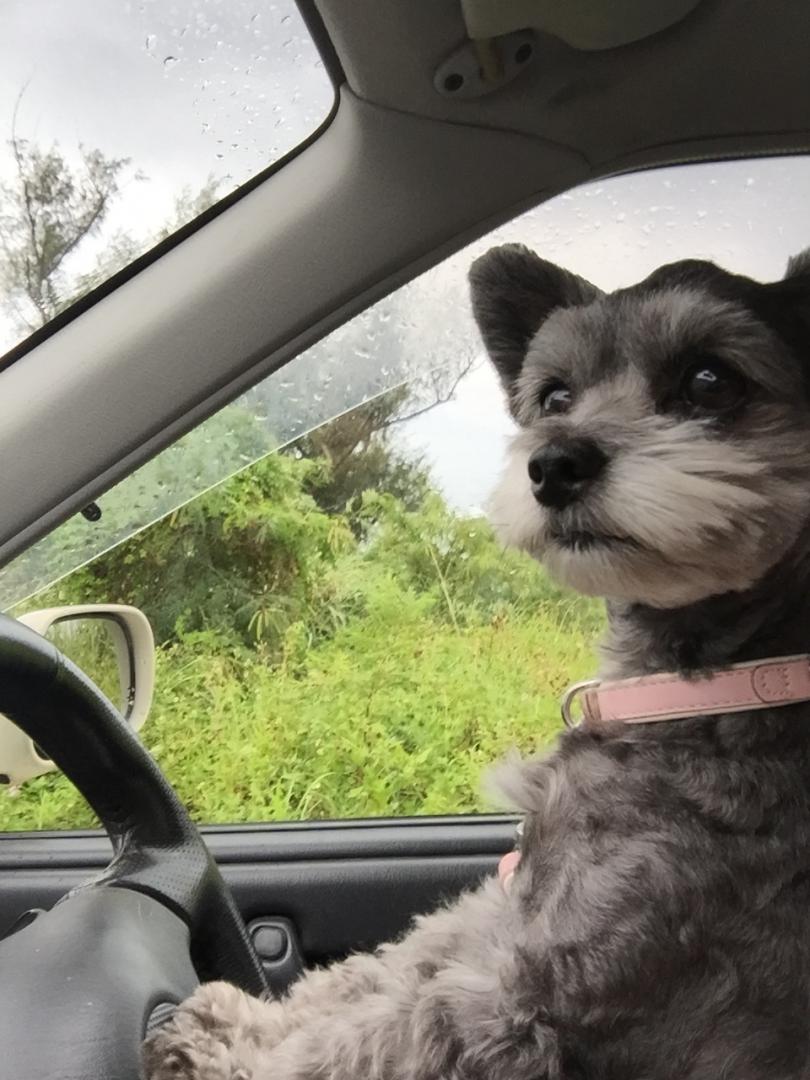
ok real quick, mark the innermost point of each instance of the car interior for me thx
(449, 119)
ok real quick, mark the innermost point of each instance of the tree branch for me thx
(441, 399)
(85, 230)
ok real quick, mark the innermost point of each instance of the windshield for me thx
(120, 122)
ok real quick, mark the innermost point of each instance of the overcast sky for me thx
(187, 89)
(195, 88)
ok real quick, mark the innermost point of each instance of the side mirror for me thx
(113, 644)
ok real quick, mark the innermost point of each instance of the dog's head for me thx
(664, 451)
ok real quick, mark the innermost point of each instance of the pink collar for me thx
(758, 684)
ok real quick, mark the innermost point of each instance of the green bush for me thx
(397, 713)
(245, 558)
(454, 559)
(317, 664)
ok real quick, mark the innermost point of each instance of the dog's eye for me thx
(555, 398)
(713, 386)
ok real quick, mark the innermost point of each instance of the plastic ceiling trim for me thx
(583, 24)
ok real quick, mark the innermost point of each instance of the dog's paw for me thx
(214, 1035)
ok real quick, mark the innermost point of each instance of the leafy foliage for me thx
(357, 449)
(48, 212)
(336, 673)
(191, 465)
(455, 560)
(245, 559)
(51, 210)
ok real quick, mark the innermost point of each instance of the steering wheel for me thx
(81, 984)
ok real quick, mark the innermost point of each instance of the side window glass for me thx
(339, 632)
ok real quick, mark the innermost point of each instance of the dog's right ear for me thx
(513, 293)
(798, 265)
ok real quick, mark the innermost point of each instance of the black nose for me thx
(561, 472)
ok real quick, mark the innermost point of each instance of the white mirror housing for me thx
(134, 654)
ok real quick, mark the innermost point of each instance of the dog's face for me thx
(664, 451)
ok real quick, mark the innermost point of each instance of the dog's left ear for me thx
(513, 293)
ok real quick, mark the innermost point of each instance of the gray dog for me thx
(658, 924)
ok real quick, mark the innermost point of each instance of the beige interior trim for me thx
(583, 24)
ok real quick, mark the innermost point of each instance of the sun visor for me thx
(583, 24)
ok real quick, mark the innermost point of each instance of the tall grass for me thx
(399, 712)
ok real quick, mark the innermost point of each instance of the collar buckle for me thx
(568, 699)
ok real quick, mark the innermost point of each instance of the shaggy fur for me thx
(659, 922)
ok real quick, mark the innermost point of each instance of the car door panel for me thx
(341, 886)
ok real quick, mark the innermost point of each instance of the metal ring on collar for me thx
(568, 699)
